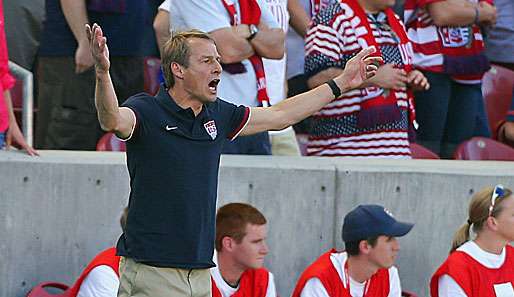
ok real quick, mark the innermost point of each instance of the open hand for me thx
(98, 47)
(358, 69)
(417, 81)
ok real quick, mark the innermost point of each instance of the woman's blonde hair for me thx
(479, 211)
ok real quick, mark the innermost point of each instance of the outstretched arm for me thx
(292, 110)
(111, 117)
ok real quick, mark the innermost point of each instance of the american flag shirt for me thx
(331, 41)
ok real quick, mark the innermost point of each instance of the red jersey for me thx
(107, 257)
(474, 278)
(324, 270)
(253, 283)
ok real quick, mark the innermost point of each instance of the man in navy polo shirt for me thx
(174, 142)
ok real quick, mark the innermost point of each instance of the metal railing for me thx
(28, 99)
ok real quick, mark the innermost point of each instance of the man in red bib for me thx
(366, 267)
(241, 245)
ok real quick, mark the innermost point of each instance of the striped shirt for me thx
(428, 40)
(332, 40)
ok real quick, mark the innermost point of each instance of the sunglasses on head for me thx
(498, 192)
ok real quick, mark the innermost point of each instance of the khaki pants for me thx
(283, 143)
(140, 280)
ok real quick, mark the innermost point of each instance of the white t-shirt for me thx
(102, 281)
(276, 69)
(314, 287)
(447, 286)
(226, 290)
(211, 15)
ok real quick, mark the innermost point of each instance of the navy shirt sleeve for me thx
(137, 104)
(237, 116)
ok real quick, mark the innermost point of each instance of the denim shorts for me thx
(2, 140)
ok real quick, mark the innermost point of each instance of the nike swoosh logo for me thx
(168, 128)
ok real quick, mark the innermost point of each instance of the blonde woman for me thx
(483, 266)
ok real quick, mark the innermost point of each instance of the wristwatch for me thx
(253, 31)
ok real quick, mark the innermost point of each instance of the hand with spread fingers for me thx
(14, 135)
(359, 69)
(417, 81)
(98, 47)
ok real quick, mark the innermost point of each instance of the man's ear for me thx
(227, 243)
(177, 70)
(364, 247)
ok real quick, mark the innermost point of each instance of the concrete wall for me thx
(59, 210)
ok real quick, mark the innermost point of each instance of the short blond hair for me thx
(177, 50)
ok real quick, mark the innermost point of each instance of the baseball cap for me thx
(371, 220)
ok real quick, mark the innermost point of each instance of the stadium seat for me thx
(41, 290)
(151, 75)
(497, 86)
(110, 143)
(481, 148)
(421, 152)
(408, 294)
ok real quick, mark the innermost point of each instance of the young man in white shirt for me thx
(241, 245)
(365, 268)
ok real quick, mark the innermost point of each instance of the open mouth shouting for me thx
(213, 85)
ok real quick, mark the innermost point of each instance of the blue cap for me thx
(371, 220)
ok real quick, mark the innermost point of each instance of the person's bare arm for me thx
(460, 13)
(76, 16)
(292, 110)
(232, 44)
(269, 42)
(14, 133)
(299, 19)
(161, 26)
(112, 118)
(323, 76)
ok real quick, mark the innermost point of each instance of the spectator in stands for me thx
(241, 232)
(499, 49)
(482, 266)
(449, 50)
(174, 142)
(366, 267)
(66, 117)
(9, 129)
(369, 122)
(244, 35)
(101, 276)
(301, 12)
(283, 143)
(23, 26)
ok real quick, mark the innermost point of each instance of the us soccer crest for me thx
(210, 127)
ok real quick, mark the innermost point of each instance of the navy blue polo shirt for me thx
(173, 162)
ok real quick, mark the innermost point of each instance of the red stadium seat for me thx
(151, 75)
(497, 86)
(421, 152)
(408, 294)
(481, 148)
(109, 142)
(41, 290)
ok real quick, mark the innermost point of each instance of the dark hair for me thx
(352, 247)
(177, 50)
(231, 221)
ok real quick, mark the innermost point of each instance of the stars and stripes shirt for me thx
(428, 45)
(331, 41)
